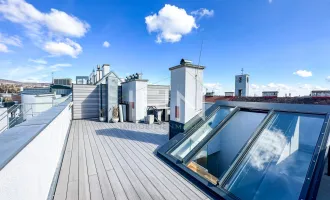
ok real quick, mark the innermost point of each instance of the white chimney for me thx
(98, 73)
(105, 69)
(186, 95)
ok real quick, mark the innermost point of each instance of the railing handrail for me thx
(20, 116)
(23, 112)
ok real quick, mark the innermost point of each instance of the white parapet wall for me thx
(31, 153)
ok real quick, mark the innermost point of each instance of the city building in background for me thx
(270, 93)
(320, 93)
(82, 80)
(242, 85)
(63, 81)
(229, 94)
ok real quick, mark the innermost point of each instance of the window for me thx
(240, 79)
(279, 159)
(218, 154)
(181, 151)
(247, 79)
(256, 151)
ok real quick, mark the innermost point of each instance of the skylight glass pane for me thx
(181, 151)
(217, 155)
(277, 164)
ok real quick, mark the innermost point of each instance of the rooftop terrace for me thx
(118, 161)
(102, 160)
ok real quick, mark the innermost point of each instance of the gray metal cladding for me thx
(112, 94)
(158, 95)
(85, 101)
(104, 94)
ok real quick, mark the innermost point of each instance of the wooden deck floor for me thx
(118, 161)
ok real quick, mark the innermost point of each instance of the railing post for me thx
(329, 162)
(7, 120)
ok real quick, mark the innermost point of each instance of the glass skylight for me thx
(279, 159)
(181, 151)
(256, 151)
(216, 156)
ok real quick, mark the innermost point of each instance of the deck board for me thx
(166, 177)
(62, 185)
(106, 188)
(147, 165)
(118, 161)
(84, 193)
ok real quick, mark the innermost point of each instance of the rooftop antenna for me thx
(52, 77)
(196, 74)
(242, 71)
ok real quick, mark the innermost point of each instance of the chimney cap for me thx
(185, 62)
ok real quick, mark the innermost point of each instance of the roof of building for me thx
(37, 91)
(242, 75)
(62, 78)
(187, 63)
(108, 74)
(212, 99)
(320, 91)
(55, 86)
(269, 91)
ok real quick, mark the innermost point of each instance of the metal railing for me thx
(19, 113)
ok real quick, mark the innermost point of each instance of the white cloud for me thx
(62, 23)
(32, 79)
(31, 73)
(39, 68)
(203, 12)
(45, 29)
(327, 78)
(3, 48)
(215, 87)
(311, 87)
(303, 73)
(24, 73)
(10, 40)
(38, 61)
(21, 12)
(254, 86)
(66, 47)
(294, 90)
(106, 44)
(58, 67)
(170, 24)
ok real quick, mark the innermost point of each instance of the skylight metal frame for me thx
(316, 167)
(208, 115)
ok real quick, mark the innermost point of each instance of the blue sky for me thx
(283, 44)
